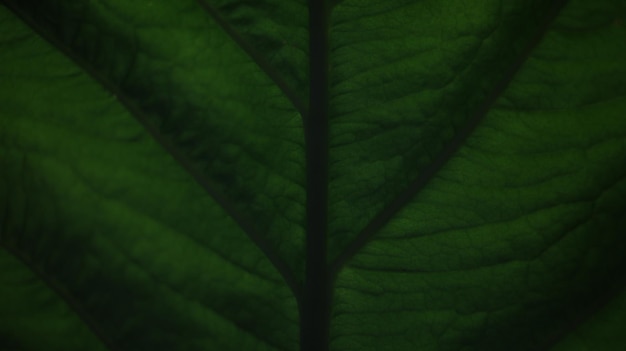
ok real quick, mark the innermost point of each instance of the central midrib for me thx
(315, 304)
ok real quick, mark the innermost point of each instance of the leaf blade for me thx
(522, 226)
(100, 208)
(245, 147)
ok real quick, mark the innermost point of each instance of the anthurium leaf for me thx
(397, 175)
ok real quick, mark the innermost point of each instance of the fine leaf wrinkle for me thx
(472, 188)
(67, 298)
(364, 177)
(456, 182)
(170, 135)
(101, 227)
(300, 105)
(451, 148)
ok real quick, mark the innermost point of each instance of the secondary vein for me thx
(259, 59)
(419, 183)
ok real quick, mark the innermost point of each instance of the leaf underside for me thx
(156, 174)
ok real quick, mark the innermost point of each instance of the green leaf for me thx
(332, 175)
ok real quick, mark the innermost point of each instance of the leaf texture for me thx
(333, 175)
(92, 202)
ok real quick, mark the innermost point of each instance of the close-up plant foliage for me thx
(347, 175)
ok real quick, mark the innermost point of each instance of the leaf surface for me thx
(118, 229)
(158, 161)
